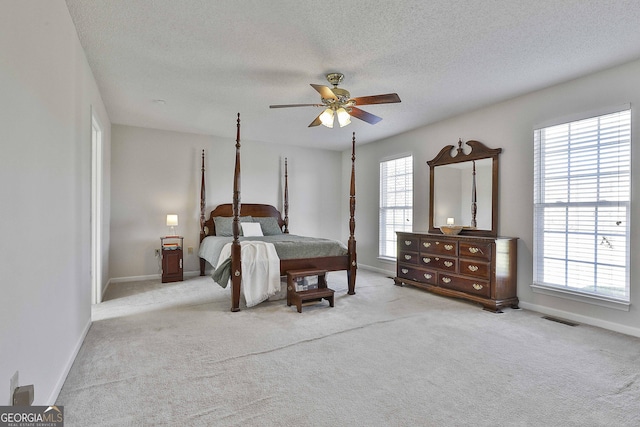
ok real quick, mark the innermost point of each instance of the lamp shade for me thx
(172, 220)
(343, 117)
(327, 117)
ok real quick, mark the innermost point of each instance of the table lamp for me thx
(172, 221)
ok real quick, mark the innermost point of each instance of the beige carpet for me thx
(172, 354)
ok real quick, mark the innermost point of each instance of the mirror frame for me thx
(478, 151)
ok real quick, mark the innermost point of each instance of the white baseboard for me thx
(390, 273)
(141, 278)
(63, 377)
(134, 278)
(195, 273)
(616, 327)
(147, 277)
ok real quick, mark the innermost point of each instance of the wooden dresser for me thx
(479, 269)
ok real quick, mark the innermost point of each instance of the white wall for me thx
(510, 125)
(48, 92)
(157, 172)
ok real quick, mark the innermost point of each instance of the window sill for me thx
(581, 297)
(387, 259)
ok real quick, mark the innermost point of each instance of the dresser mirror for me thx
(463, 191)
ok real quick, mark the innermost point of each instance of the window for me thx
(582, 206)
(396, 202)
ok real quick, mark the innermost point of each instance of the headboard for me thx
(246, 209)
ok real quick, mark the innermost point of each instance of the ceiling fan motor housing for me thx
(342, 95)
(343, 99)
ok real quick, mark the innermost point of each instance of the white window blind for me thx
(396, 202)
(581, 205)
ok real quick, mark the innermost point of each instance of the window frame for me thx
(566, 291)
(382, 234)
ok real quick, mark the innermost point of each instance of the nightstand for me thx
(171, 258)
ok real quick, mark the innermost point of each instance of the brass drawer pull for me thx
(473, 267)
(474, 250)
(426, 260)
(426, 244)
(448, 247)
(405, 270)
(448, 263)
(477, 287)
(446, 279)
(427, 276)
(407, 242)
(407, 257)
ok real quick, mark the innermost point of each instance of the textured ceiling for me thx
(209, 60)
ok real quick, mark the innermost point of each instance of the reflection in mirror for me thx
(455, 192)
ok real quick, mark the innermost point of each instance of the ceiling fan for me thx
(338, 102)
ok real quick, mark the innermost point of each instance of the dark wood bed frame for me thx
(333, 263)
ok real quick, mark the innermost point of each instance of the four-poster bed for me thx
(292, 250)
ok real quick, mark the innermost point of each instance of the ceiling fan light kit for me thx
(338, 102)
(327, 118)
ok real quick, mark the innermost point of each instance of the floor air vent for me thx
(564, 322)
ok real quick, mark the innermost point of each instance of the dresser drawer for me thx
(476, 250)
(469, 286)
(475, 268)
(405, 257)
(441, 263)
(408, 243)
(417, 274)
(439, 246)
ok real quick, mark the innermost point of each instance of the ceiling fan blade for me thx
(388, 98)
(364, 116)
(316, 122)
(325, 92)
(295, 105)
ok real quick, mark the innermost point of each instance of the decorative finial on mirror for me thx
(460, 146)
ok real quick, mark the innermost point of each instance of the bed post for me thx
(474, 206)
(286, 197)
(236, 260)
(202, 217)
(353, 260)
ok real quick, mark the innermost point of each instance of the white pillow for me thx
(251, 229)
